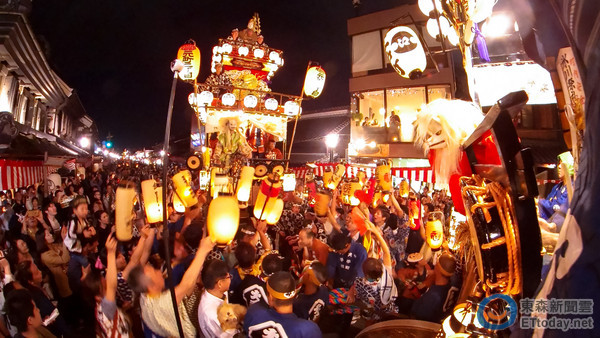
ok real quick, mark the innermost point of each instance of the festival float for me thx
(239, 115)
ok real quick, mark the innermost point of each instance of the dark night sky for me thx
(116, 53)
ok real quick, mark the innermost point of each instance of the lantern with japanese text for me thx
(223, 219)
(314, 81)
(383, 175)
(182, 181)
(405, 52)
(152, 196)
(434, 234)
(434, 229)
(189, 54)
(348, 191)
(124, 214)
(337, 176)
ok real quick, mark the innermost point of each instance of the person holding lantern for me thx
(158, 315)
(376, 290)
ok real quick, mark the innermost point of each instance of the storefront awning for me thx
(18, 174)
(424, 174)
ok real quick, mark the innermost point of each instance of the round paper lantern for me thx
(244, 185)
(259, 53)
(250, 101)
(223, 219)
(124, 214)
(274, 56)
(271, 104)
(426, 6)
(228, 99)
(479, 10)
(206, 97)
(275, 213)
(243, 51)
(314, 81)
(291, 108)
(152, 196)
(194, 99)
(189, 54)
(434, 231)
(226, 48)
(433, 28)
(405, 51)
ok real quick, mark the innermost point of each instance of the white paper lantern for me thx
(243, 51)
(274, 56)
(432, 27)
(291, 108)
(405, 51)
(271, 104)
(250, 101)
(426, 6)
(226, 48)
(206, 98)
(314, 81)
(194, 99)
(259, 53)
(228, 99)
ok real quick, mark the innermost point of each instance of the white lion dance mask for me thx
(442, 126)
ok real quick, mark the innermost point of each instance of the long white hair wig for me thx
(457, 119)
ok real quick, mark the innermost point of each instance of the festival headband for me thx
(247, 232)
(280, 295)
(309, 275)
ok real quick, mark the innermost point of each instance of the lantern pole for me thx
(287, 164)
(176, 67)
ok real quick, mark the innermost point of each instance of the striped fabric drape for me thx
(18, 174)
(425, 174)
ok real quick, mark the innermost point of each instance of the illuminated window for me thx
(405, 102)
(372, 108)
(438, 92)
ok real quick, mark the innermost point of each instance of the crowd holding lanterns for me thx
(234, 242)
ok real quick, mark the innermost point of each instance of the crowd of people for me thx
(65, 273)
